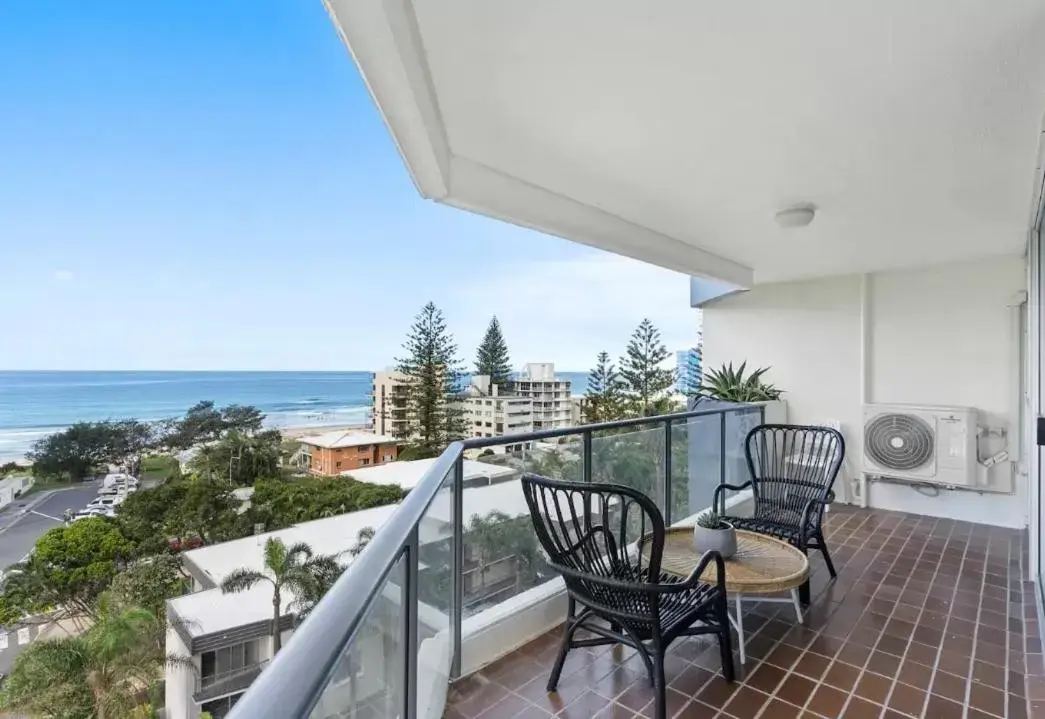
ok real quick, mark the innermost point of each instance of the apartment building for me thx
(687, 370)
(550, 395)
(388, 404)
(336, 452)
(495, 411)
(228, 637)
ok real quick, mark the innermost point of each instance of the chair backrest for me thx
(792, 464)
(589, 531)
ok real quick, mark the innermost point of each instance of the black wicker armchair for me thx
(589, 533)
(792, 471)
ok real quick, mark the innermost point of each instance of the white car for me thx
(103, 502)
(94, 512)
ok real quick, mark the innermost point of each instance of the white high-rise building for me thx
(550, 395)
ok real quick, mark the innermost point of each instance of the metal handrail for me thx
(293, 683)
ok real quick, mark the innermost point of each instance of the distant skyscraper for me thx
(687, 370)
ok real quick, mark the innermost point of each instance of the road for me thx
(19, 532)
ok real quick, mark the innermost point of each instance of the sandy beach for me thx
(300, 432)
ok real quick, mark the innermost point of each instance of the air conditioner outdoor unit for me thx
(921, 444)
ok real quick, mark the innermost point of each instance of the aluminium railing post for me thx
(667, 473)
(457, 567)
(722, 455)
(410, 633)
(586, 455)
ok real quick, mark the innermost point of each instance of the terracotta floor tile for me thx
(615, 711)
(812, 665)
(766, 678)
(796, 690)
(509, 706)
(859, 708)
(746, 702)
(873, 687)
(717, 692)
(940, 708)
(827, 701)
(698, 710)
(907, 700)
(987, 699)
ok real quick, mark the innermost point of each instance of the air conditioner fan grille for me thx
(902, 442)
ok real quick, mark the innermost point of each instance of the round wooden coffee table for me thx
(762, 565)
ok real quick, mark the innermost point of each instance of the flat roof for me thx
(408, 474)
(329, 535)
(334, 440)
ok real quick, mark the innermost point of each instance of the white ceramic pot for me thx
(723, 541)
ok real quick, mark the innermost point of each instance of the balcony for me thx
(233, 681)
(926, 615)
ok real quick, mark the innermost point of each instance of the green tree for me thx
(491, 358)
(497, 537)
(646, 383)
(296, 568)
(204, 422)
(75, 452)
(281, 503)
(207, 510)
(143, 516)
(604, 398)
(240, 459)
(98, 675)
(69, 568)
(149, 583)
(433, 375)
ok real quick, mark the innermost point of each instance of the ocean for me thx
(35, 404)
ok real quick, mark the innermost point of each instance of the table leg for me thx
(738, 624)
(797, 601)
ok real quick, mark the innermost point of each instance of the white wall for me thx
(941, 335)
(180, 681)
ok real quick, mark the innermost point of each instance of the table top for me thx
(762, 565)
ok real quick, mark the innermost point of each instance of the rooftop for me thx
(334, 440)
(329, 535)
(408, 474)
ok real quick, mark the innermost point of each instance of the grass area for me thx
(160, 466)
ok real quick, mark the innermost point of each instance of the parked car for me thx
(104, 502)
(94, 512)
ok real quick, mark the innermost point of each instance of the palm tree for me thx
(103, 673)
(297, 569)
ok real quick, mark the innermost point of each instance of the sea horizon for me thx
(35, 403)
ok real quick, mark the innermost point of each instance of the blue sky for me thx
(191, 186)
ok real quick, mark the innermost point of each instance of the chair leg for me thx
(827, 557)
(660, 710)
(804, 593)
(567, 635)
(725, 642)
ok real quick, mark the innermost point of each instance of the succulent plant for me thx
(712, 520)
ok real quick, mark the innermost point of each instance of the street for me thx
(19, 532)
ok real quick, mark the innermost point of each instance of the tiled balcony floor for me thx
(928, 618)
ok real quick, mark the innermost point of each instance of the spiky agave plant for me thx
(732, 385)
(712, 520)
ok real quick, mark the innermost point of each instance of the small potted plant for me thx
(712, 532)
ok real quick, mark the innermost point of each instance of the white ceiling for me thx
(672, 131)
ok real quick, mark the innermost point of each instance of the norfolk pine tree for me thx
(432, 372)
(603, 398)
(492, 356)
(646, 383)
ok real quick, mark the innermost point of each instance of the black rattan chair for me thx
(792, 471)
(589, 533)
